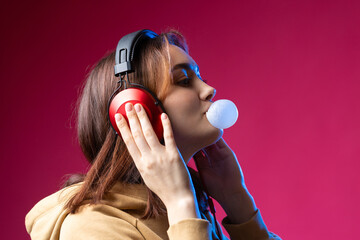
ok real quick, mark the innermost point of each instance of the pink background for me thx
(292, 68)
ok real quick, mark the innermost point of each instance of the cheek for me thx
(182, 110)
(188, 122)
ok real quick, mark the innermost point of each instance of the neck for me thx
(187, 153)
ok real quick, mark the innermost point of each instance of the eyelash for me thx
(188, 81)
(184, 82)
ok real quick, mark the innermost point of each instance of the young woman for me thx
(139, 187)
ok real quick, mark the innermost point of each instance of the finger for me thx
(211, 147)
(135, 128)
(221, 143)
(146, 126)
(168, 133)
(216, 146)
(202, 160)
(127, 136)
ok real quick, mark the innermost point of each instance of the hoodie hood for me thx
(44, 220)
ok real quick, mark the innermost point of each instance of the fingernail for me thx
(128, 107)
(118, 117)
(137, 108)
(164, 116)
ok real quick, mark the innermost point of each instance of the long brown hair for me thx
(107, 154)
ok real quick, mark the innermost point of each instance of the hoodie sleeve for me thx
(189, 229)
(254, 229)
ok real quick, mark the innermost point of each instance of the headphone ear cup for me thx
(137, 95)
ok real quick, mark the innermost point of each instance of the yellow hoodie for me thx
(119, 217)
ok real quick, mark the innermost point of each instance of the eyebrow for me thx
(186, 66)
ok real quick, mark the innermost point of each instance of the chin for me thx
(193, 142)
(214, 136)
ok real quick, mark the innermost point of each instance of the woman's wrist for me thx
(182, 208)
(239, 206)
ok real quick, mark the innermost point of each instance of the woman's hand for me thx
(224, 181)
(161, 166)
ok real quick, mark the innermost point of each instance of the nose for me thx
(207, 92)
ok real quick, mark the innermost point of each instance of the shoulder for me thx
(99, 222)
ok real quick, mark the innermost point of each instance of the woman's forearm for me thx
(239, 206)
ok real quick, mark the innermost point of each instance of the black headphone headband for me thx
(124, 57)
(125, 50)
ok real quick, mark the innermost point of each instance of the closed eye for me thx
(184, 82)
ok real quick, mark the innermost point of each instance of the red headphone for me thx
(133, 93)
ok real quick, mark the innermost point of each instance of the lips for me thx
(207, 108)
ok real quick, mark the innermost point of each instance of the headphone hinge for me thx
(123, 67)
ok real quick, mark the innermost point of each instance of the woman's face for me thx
(186, 103)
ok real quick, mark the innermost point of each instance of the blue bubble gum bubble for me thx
(222, 114)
